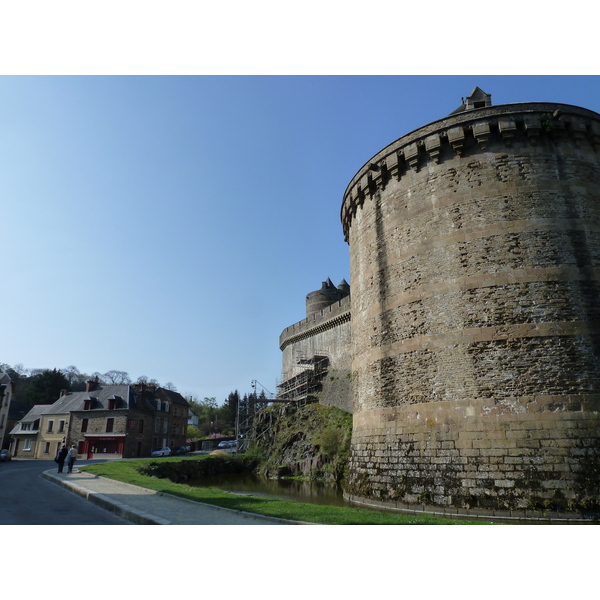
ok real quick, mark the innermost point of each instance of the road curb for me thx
(122, 510)
(138, 517)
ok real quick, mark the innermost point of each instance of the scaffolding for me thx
(246, 413)
(303, 387)
(299, 390)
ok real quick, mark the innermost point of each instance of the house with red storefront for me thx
(113, 421)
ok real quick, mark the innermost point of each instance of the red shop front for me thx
(96, 445)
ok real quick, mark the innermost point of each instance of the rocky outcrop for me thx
(311, 442)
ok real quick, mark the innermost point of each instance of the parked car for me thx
(227, 444)
(162, 452)
(178, 451)
(5, 455)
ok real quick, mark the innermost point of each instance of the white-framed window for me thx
(27, 445)
(165, 426)
(61, 426)
(50, 426)
(47, 448)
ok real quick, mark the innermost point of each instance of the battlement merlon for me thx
(329, 317)
(534, 120)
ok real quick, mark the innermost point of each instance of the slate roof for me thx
(100, 395)
(35, 412)
(172, 396)
(33, 415)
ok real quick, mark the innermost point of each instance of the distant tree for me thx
(208, 410)
(229, 409)
(142, 379)
(15, 373)
(76, 378)
(45, 387)
(170, 386)
(116, 377)
(71, 373)
(193, 433)
(97, 377)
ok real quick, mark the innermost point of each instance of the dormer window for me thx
(478, 99)
(87, 404)
(112, 403)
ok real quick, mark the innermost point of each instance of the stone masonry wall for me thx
(326, 333)
(475, 263)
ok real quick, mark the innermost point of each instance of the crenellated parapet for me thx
(330, 317)
(465, 134)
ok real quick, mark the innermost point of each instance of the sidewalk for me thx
(147, 507)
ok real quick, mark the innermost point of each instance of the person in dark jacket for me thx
(60, 458)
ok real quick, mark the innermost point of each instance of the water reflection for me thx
(300, 491)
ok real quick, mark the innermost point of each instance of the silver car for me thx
(162, 452)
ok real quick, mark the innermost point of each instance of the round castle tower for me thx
(475, 262)
(328, 294)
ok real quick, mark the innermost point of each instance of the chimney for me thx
(63, 393)
(90, 385)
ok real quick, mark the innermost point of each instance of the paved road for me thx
(28, 499)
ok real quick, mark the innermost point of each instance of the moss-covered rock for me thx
(312, 442)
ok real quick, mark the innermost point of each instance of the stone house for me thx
(116, 421)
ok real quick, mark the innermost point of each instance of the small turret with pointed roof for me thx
(477, 99)
(344, 288)
(327, 295)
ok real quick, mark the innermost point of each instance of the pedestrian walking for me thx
(60, 457)
(72, 455)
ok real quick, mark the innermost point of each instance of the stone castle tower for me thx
(317, 352)
(475, 269)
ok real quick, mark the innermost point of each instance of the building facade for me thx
(116, 421)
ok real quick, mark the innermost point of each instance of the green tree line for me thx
(43, 386)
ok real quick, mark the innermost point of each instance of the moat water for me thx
(300, 491)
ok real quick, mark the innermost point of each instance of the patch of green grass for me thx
(127, 472)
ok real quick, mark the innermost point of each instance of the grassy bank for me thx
(127, 471)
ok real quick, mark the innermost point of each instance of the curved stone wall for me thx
(475, 267)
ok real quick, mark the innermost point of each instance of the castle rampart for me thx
(317, 355)
(327, 318)
(475, 266)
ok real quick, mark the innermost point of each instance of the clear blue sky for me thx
(172, 226)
